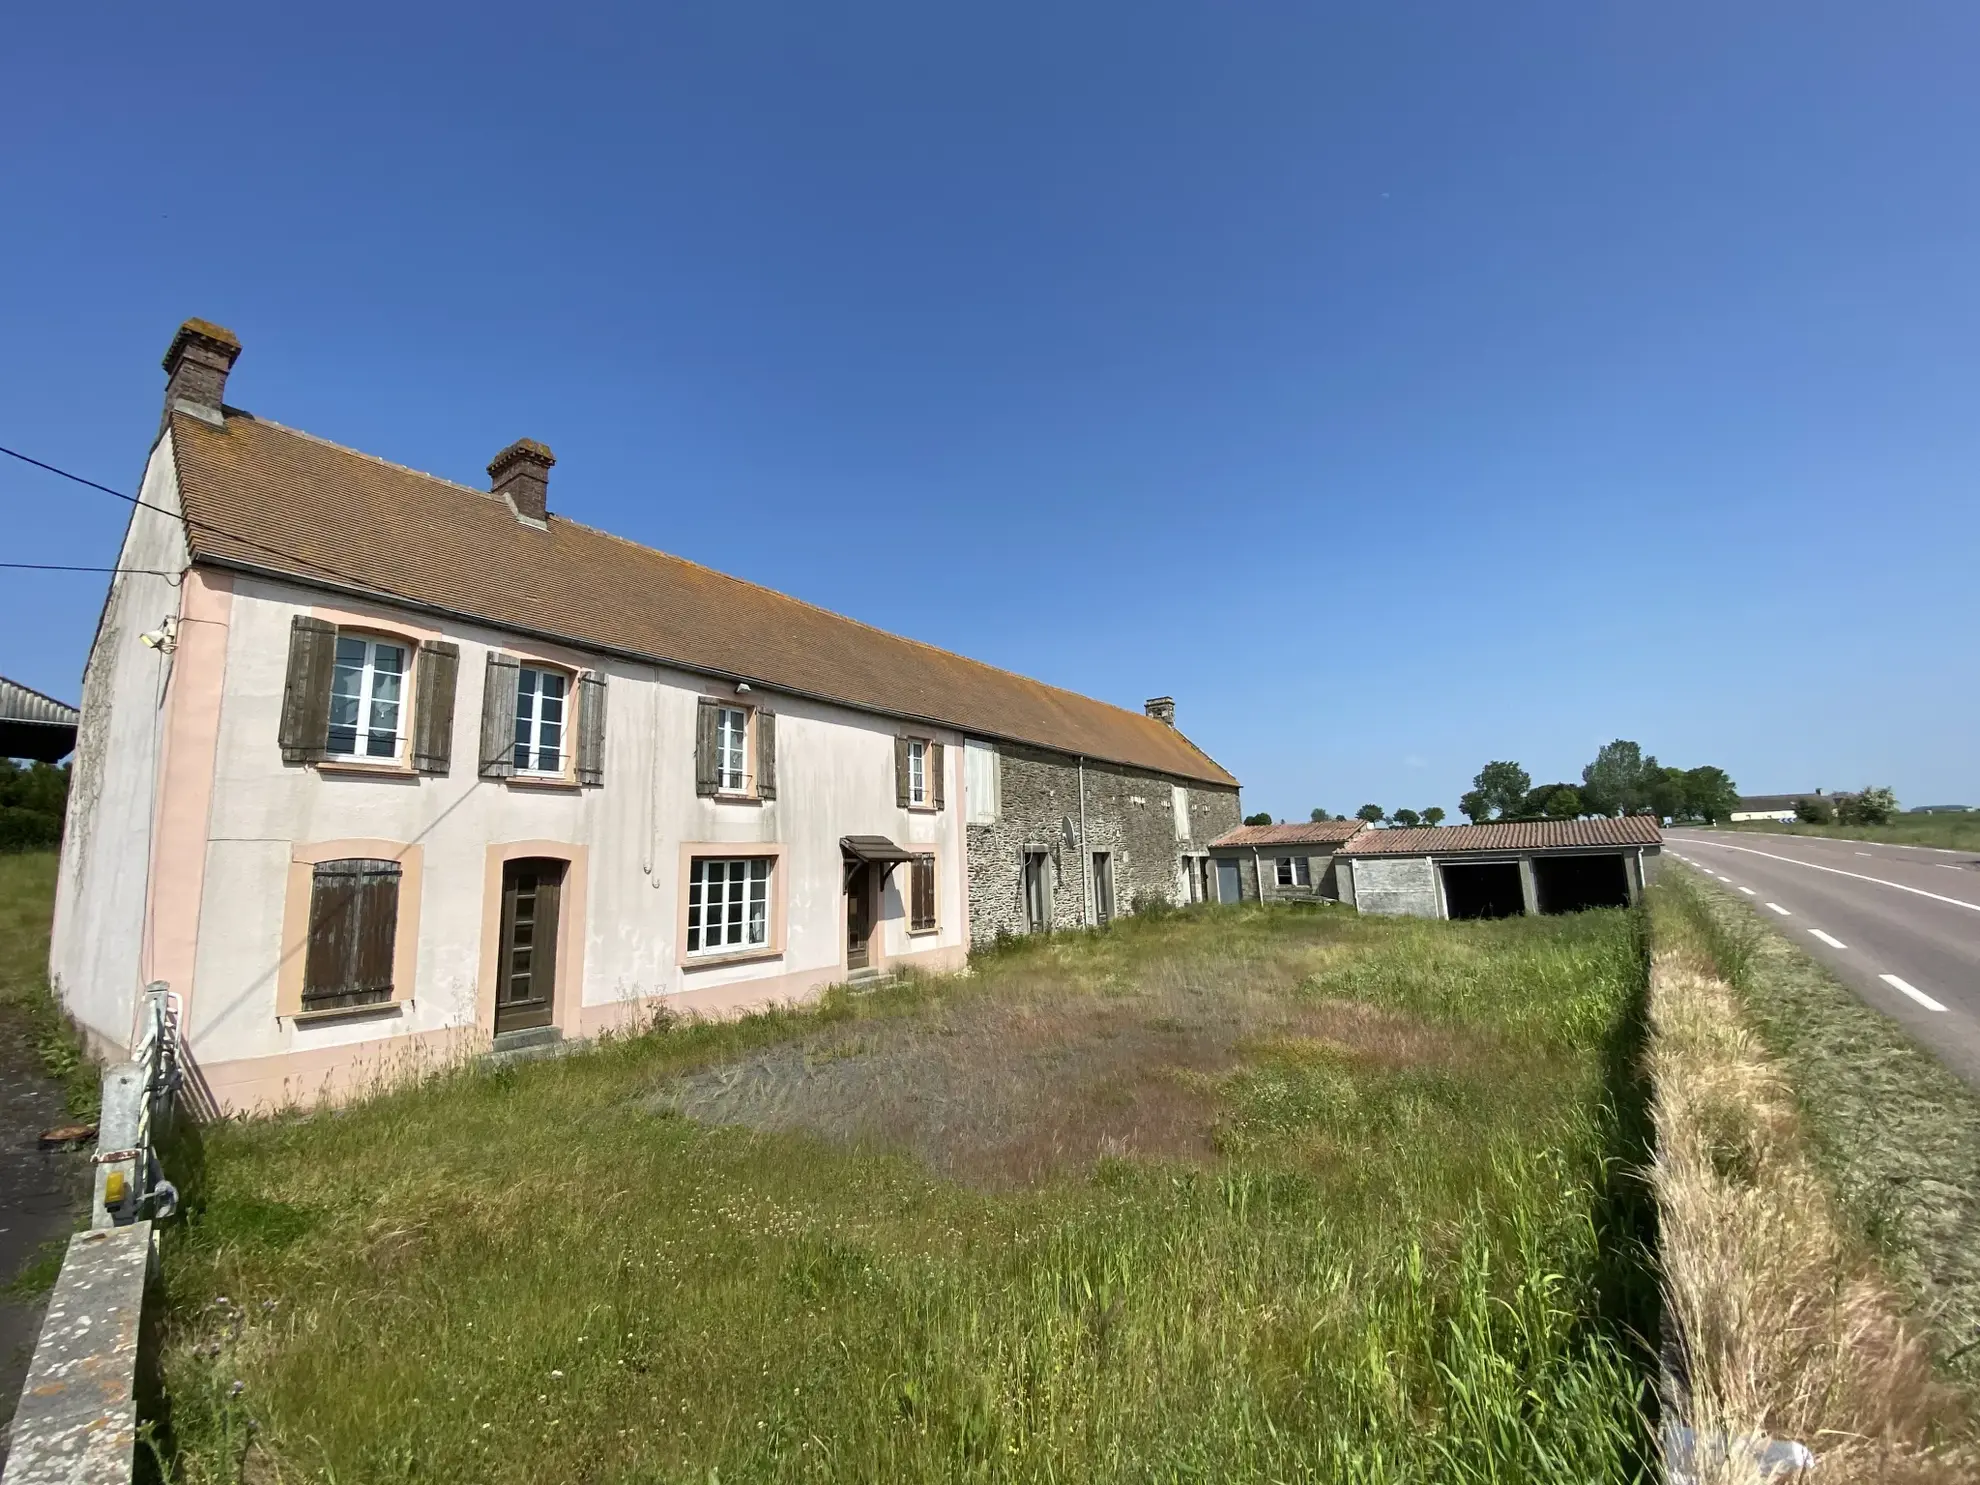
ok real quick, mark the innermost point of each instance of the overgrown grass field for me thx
(1232, 1195)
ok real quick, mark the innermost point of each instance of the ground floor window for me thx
(1295, 871)
(921, 894)
(728, 904)
(353, 930)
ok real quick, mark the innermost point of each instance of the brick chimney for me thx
(1161, 708)
(521, 474)
(196, 367)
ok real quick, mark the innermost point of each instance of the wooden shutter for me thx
(498, 717)
(353, 931)
(766, 753)
(901, 771)
(305, 730)
(924, 892)
(706, 715)
(438, 667)
(932, 764)
(591, 728)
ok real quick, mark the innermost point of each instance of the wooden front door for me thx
(859, 916)
(532, 893)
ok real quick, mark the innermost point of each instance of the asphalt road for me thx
(1899, 924)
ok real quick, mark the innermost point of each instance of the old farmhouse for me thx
(372, 765)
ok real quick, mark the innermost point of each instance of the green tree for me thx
(1665, 794)
(1408, 819)
(1550, 802)
(1321, 817)
(1872, 806)
(33, 801)
(1434, 816)
(1372, 813)
(1710, 794)
(1614, 783)
(1502, 787)
(1816, 811)
(1261, 818)
(1475, 807)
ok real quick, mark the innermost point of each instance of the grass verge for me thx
(1949, 832)
(1238, 1194)
(1895, 1133)
(27, 1007)
(1784, 1323)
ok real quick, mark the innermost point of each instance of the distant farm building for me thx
(1502, 869)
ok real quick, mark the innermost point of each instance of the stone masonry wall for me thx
(1129, 814)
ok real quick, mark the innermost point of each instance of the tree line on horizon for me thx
(1621, 780)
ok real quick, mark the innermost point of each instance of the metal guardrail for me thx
(138, 1102)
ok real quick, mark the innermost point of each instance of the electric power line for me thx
(190, 520)
(66, 567)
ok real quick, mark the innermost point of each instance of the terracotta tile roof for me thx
(1508, 835)
(262, 496)
(1318, 833)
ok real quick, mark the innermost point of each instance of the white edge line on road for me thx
(1781, 910)
(1841, 840)
(1830, 939)
(1973, 907)
(1913, 991)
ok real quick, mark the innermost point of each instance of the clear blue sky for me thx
(1399, 386)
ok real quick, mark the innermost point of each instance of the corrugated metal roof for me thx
(20, 704)
(1508, 835)
(1316, 833)
(293, 503)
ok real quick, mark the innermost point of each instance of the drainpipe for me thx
(1085, 864)
(1257, 877)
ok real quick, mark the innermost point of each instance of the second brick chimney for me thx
(521, 474)
(1161, 708)
(196, 367)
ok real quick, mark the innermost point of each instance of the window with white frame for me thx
(1294, 871)
(731, 749)
(917, 761)
(542, 708)
(728, 904)
(367, 700)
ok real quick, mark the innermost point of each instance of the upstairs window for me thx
(728, 904)
(367, 700)
(917, 751)
(541, 698)
(731, 749)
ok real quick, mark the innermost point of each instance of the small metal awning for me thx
(871, 850)
(875, 850)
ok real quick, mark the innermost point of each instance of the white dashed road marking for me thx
(1913, 991)
(1749, 892)
(1832, 942)
(1781, 910)
(1857, 875)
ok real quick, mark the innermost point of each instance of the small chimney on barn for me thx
(521, 475)
(196, 367)
(1161, 708)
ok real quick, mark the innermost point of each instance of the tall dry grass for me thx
(1781, 1325)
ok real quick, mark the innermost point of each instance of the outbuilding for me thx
(1502, 869)
(1274, 863)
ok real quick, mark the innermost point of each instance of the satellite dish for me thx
(1072, 835)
